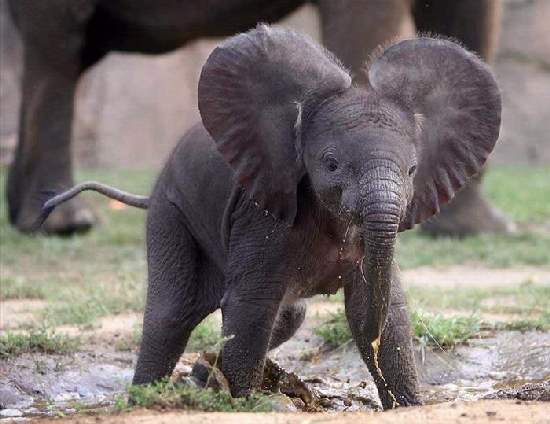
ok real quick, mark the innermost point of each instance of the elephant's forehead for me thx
(359, 113)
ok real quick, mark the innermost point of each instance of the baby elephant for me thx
(296, 183)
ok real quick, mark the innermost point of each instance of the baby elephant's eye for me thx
(412, 170)
(331, 163)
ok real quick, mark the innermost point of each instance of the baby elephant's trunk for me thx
(129, 199)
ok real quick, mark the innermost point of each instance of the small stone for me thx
(299, 404)
(207, 374)
(491, 413)
(282, 403)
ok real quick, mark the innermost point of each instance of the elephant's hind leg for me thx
(175, 297)
(289, 319)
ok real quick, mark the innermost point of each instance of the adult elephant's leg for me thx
(352, 30)
(53, 47)
(393, 370)
(475, 23)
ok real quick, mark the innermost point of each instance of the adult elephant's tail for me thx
(129, 199)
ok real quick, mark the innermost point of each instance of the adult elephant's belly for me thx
(156, 26)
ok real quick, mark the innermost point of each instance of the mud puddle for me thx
(47, 385)
(481, 368)
(498, 366)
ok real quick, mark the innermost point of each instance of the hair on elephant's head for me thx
(387, 155)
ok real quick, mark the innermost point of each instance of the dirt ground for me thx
(455, 383)
(502, 411)
(468, 276)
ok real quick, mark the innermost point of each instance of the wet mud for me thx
(503, 365)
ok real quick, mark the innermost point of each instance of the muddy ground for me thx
(495, 365)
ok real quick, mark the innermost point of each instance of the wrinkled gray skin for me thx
(64, 38)
(296, 183)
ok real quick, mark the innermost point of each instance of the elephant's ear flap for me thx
(251, 93)
(455, 101)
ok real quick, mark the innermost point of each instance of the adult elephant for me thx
(63, 38)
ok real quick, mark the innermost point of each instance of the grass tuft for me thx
(17, 287)
(207, 335)
(529, 301)
(335, 330)
(36, 341)
(166, 394)
(437, 330)
(541, 323)
(429, 329)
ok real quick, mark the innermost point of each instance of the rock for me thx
(288, 383)
(11, 413)
(282, 403)
(529, 391)
(208, 374)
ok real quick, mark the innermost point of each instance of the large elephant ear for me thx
(250, 94)
(456, 105)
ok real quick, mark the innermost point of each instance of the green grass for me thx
(530, 301)
(335, 330)
(498, 251)
(429, 329)
(206, 336)
(83, 278)
(525, 307)
(523, 193)
(541, 323)
(123, 292)
(129, 342)
(435, 329)
(18, 287)
(41, 340)
(166, 394)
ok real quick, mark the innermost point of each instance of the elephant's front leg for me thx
(248, 318)
(256, 282)
(392, 367)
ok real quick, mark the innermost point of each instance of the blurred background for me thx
(131, 109)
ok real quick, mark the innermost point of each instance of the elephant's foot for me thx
(469, 213)
(69, 218)
(396, 399)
